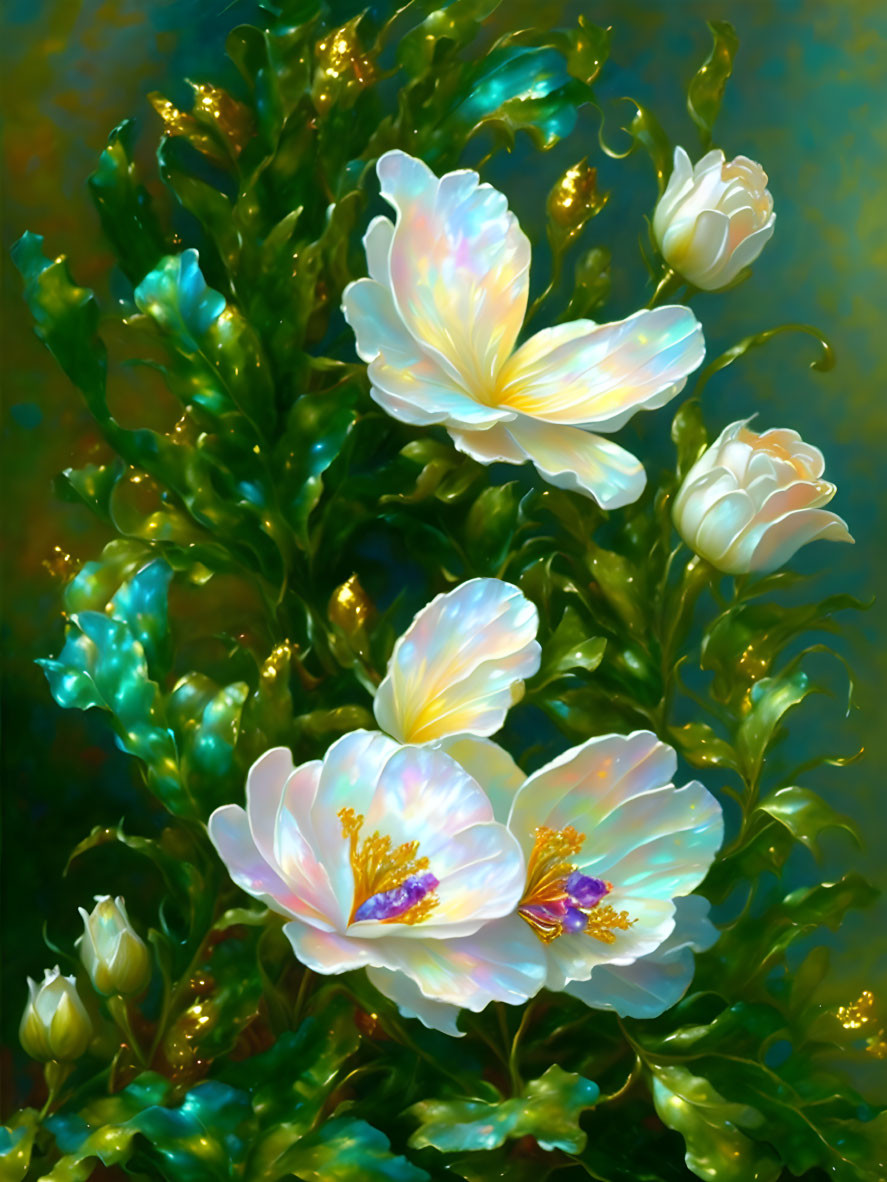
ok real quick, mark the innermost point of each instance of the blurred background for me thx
(806, 100)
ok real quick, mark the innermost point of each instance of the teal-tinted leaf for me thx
(17, 1144)
(717, 1149)
(94, 585)
(141, 604)
(771, 698)
(446, 29)
(206, 720)
(806, 815)
(347, 1150)
(548, 1109)
(706, 91)
(490, 526)
(316, 430)
(569, 648)
(102, 664)
(124, 206)
(199, 322)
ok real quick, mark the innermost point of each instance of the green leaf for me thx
(806, 815)
(548, 1109)
(124, 206)
(490, 526)
(591, 284)
(17, 1144)
(771, 698)
(94, 585)
(347, 1150)
(823, 363)
(316, 430)
(206, 721)
(706, 91)
(569, 648)
(141, 604)
(620, 583)
(199, 322)
(689, 435)
(702, 747)
(716, 1147)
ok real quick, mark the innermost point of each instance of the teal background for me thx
(806, 100)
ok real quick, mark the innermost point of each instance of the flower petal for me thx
(265, 784)
(502, 962)
(653, 983)
(575, 957)
(598, 376)
(491, 766)
(570, 458)
(412, 1003)
(407, 381)
(458, 267)
(783, 538)
(460, 664)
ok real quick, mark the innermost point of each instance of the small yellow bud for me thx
(117, 960)
(55, 1024)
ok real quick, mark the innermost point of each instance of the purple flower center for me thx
(393, 903)
(584, 890)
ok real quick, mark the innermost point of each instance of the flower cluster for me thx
(423, 853)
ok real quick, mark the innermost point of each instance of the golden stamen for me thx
(377, 868)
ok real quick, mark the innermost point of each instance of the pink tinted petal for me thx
(598, 376)
(570, 458)
(460, 664)
(230, 834)
(458, 266)
(265, 783)
(746, 252)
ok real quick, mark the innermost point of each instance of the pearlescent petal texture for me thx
(655, 982)
(437, 322)
(751, 501)
(608, 811)
(380, 854)
(714, 219)
(460, 664)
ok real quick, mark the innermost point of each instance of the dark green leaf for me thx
(806, 815)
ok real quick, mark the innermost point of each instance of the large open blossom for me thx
(438, 321)
(612, 849)
(379, 855)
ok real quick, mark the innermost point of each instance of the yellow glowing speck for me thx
(857, 1013)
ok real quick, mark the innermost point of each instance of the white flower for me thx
(612, 848)
(55, 1025)
(116, 958)
(714, 218)
(750, 501)
(379, 855)
(438, 320)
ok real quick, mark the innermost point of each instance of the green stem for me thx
(301, 995)
(119, 1010)
(667, 286)
(517, 1082)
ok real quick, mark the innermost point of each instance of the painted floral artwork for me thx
(450, 672)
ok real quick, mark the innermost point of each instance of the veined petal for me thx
(407, 381)
(653, 983)
(458, 267)
(598, 376)
(460, 664)
(571, 458)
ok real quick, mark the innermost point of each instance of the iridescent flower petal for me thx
(597, 376)
(460, 664)
(491, 766)
(653, 983)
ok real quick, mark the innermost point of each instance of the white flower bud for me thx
(117, 960)
(750, 501)
(714, 218)
(55, 1024)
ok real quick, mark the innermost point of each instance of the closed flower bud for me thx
(55, 1025)
(750, 501)
(116, 959)
(714, 218)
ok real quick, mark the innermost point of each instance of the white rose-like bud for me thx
(55, 1025)
(714, 217)
(750, 501)
(117, 960)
